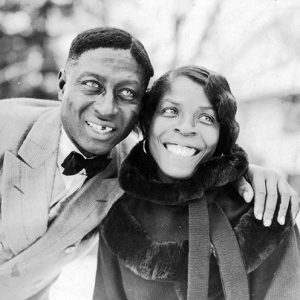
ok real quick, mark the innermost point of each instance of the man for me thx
(52, 200)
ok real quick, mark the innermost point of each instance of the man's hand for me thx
(267, 187)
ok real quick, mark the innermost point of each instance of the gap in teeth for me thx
(99, 127)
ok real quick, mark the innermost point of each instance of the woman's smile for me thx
(181, 151)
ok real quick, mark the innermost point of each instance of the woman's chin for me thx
(175, 175)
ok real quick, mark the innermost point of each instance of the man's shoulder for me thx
(12, 106)
(17, 116)
(24, 111)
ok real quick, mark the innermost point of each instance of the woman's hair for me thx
(217, 91)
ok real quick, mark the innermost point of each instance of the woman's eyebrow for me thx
(170, 101)
(206, 108)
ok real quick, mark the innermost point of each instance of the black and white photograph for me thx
(149, 150)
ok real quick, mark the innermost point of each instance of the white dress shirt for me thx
(64, 185)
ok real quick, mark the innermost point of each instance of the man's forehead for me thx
(115, 63)
(119, 59)
(110, 56)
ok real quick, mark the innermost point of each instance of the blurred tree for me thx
(238, 38)
(26, 61)
(180, 14)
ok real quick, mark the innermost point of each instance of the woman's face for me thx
(184, 130)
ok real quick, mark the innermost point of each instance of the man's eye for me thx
(169, 111)
(93, 85)
(127, 94)
(206, 119)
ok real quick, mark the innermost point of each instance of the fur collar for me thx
(150, 259)
(155, 260)
(258, 242)
(138, 177)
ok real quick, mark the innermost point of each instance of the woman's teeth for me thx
(181, 150)
(100, 128)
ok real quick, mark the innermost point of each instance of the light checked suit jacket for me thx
(29, 137)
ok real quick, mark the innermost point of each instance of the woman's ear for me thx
(61, 83)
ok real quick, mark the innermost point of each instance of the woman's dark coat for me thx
(143, 252)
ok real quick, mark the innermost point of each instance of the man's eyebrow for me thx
(101, 78)
(131, 81)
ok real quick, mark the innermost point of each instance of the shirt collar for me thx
(65, 147)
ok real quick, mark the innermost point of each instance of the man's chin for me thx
(91, 150)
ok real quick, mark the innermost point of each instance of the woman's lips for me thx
(182, 151)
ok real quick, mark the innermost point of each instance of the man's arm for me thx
(267, 187)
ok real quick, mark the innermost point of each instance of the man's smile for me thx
(101, 129)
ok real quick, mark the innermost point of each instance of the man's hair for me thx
(218, 92)
(109, 37)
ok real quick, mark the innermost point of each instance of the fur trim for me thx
(256, 241)
(130, 242)
(154, 260)
(137, 177)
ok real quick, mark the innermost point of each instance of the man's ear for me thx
(61, 83)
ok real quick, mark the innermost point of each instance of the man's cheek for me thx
(136, 113)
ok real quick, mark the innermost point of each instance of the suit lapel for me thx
(27, 183)
(81, 214)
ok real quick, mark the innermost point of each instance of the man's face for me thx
(101, 98)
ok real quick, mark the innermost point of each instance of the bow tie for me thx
(75, 162)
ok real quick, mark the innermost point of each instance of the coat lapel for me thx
(27, 183)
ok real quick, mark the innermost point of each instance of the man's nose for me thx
(185, 126)
(105, 105)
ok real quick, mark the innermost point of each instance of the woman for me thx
(180, 231)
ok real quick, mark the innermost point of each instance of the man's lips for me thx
(182, 151)
(102, 129)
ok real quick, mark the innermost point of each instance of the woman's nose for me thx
(185, 126)
(105, 104)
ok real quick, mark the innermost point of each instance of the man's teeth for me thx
(181, 150)
(102, 129)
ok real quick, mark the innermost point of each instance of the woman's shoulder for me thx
(256, 241)
(231, 203)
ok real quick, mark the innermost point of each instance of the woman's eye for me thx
(206, 119)
(169, 111)
(127, 94)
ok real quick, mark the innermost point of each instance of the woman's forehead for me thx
(183, 90)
